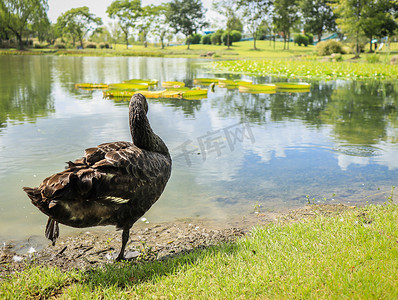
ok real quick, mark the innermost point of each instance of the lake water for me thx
(232, 152)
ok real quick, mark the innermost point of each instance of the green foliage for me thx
(234, 36)
(373, 58)
(365, 17)
(194, 39)
(59, 45)
(77, 22)
(206, 39)
(255, 12)
(90, 45)
(318, 17)
(40, 45)
(186, 16)
(286, 14)
(20, 17)
(126, 12)
(310, 38)
(104, 45)
(300, 39)
(329, 47)
(216, 37)
(234, 23)
(160, 27)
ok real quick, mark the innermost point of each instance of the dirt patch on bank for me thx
(93, 248)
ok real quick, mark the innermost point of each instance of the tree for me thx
(378, 20)
(234, 23)
(358, 18)
(228, 9)
(115, 32)
(255, 13)
(285, 16)
(318, 16)
(160, 26)
(145, 21)
(126, 13)
(186, 16)
(101, 34)
(77, 22)
(19, 15)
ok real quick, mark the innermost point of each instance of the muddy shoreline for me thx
(149, 241)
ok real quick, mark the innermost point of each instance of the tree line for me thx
(356, 19)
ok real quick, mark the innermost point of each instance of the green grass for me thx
(349, 255)
(239, 50)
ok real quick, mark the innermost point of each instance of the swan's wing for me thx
(96, 154)
(137, 163)
(124, 172)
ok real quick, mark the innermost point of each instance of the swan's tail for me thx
(52, 230)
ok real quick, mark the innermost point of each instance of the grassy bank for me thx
(239, 50)
(346, 255)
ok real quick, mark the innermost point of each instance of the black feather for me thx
(113, 184)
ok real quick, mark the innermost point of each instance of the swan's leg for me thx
(125, 238)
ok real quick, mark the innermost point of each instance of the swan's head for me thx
(138, 101)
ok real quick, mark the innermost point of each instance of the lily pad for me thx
(128, 86)
(140, 81)
(205, 81)
(257, 88)
(91, 86)
(233, 83)
(172, 84)
(292, 85)
(118, 93)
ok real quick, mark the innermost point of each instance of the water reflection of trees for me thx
(362, 112)
(25, 88)
(256, 108)
(188, 107)
(359, 112)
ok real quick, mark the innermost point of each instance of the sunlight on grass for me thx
(348, 255)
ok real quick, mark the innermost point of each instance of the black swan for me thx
(113, 184)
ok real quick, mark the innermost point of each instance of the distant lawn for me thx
(240, 50)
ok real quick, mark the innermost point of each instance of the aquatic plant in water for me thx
(91, 86)
(172, 84)
(140, 81)
(309, 69)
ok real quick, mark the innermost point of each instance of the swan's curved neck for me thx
(141, 131)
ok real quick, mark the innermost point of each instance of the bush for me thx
(310, 38)
(206, 39)
(361, 47)
(194, 39)
(336, 57)
(59, 46)
(91, 45)
(373, 58)
(301, 40)
(329, 47)
(40, 45)
(234, 36)
(216, 37)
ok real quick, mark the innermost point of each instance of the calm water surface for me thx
(232, 152)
